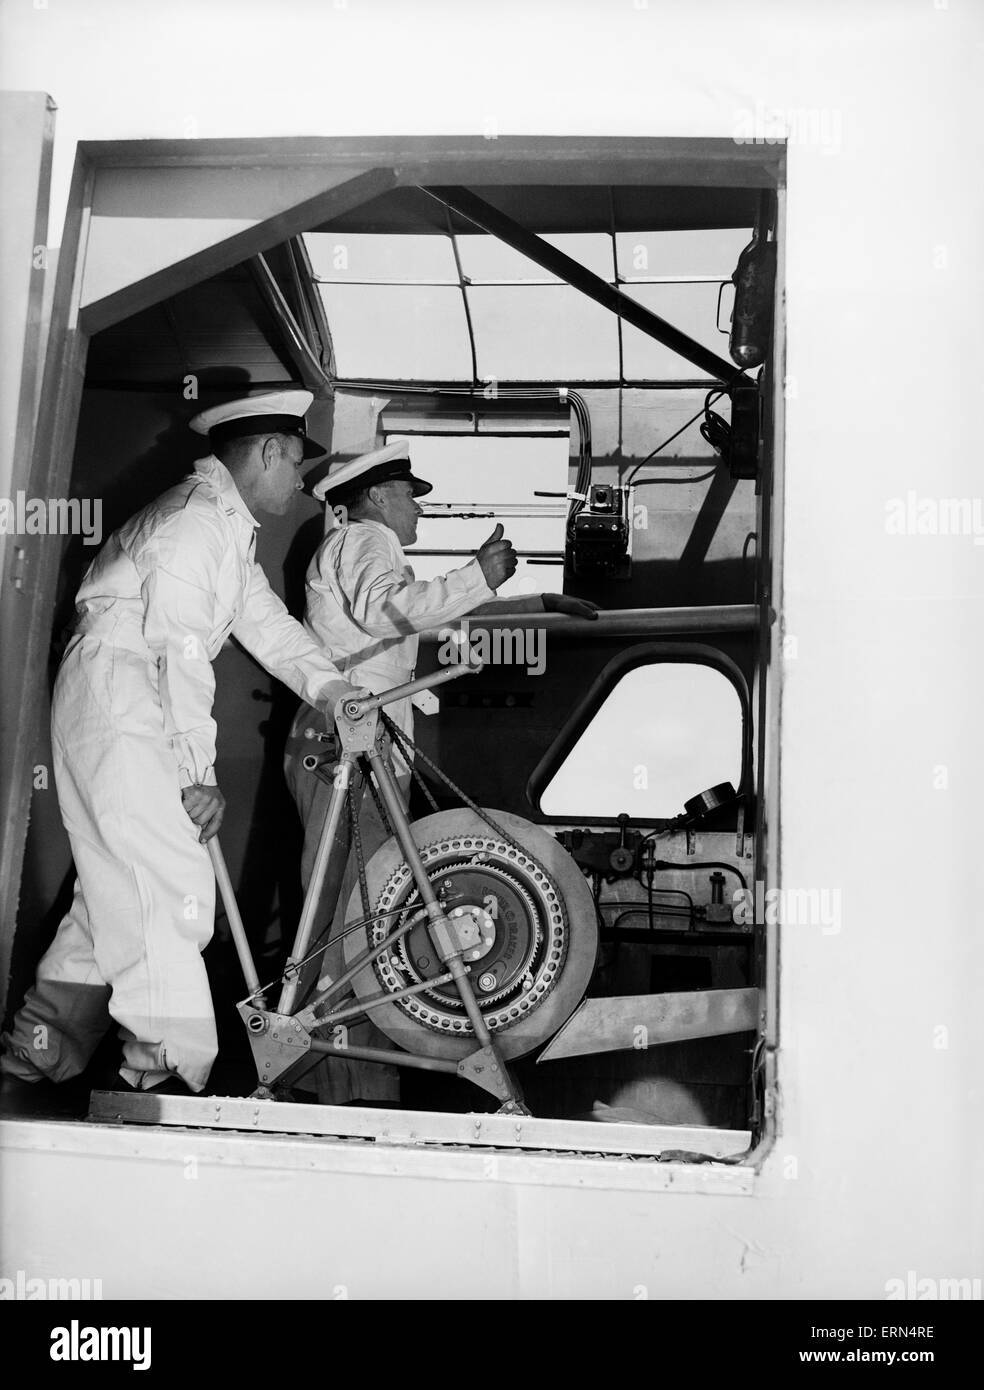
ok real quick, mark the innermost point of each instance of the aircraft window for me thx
(527, 324)
(711, 253)
(665, 729)
(690, 306)
(345, 257)
(404, 332)
(485, 258)
(491, 471)
(542, 333)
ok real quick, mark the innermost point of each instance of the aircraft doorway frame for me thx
(362, 169)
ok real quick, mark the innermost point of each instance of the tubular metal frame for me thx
(281, 1038)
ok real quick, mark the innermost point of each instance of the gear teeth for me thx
(504, 861)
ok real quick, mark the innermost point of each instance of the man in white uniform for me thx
(134, 752)
(364, 605)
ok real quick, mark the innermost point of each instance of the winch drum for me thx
(526, 907)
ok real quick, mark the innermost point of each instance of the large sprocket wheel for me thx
(523, 912)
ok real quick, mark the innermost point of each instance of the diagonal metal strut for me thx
(490, 219)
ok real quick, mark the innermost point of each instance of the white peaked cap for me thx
(273, 411)
(388, 464)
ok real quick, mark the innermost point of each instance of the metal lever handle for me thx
(235, 921)
(355, 709)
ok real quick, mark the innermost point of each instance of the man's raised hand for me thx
(497, 559)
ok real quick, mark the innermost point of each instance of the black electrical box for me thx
(599, 535)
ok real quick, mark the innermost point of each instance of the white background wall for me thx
(879, 1167)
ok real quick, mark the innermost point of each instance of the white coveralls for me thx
(131, 726)
(364, 605)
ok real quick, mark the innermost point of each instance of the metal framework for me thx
(372, 167)
(563, 270)
(283, 1039)
(505, 229)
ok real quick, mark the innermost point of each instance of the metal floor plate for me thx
(413, 1126)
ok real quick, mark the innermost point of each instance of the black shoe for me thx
(42, 1099)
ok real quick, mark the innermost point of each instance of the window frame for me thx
(574, 727)
(376, 165)
(478, 342)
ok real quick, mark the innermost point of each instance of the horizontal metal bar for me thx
(617, 622)
(461, 386)
(390, 284)
(435, 511)
(515, 1132)
(471, 427)
(674, 280)
(677, 936)
(383, 1054)
(556, 556)
(554, 282)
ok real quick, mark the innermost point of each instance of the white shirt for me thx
(178, 579)
(366, 607)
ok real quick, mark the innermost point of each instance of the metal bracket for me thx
(277, 1041)
(365, 735)
(487, 1070)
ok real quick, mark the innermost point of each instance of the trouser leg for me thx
(336, 1080)
(145, 898)
(78, 999)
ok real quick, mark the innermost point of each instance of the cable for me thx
(674, 825)
(319, 950)
(674, 914)
(715, 429)
(703, 864)
(668, 482)
(706, 412)
(582, 481)
(622, 902)
(680, 892)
